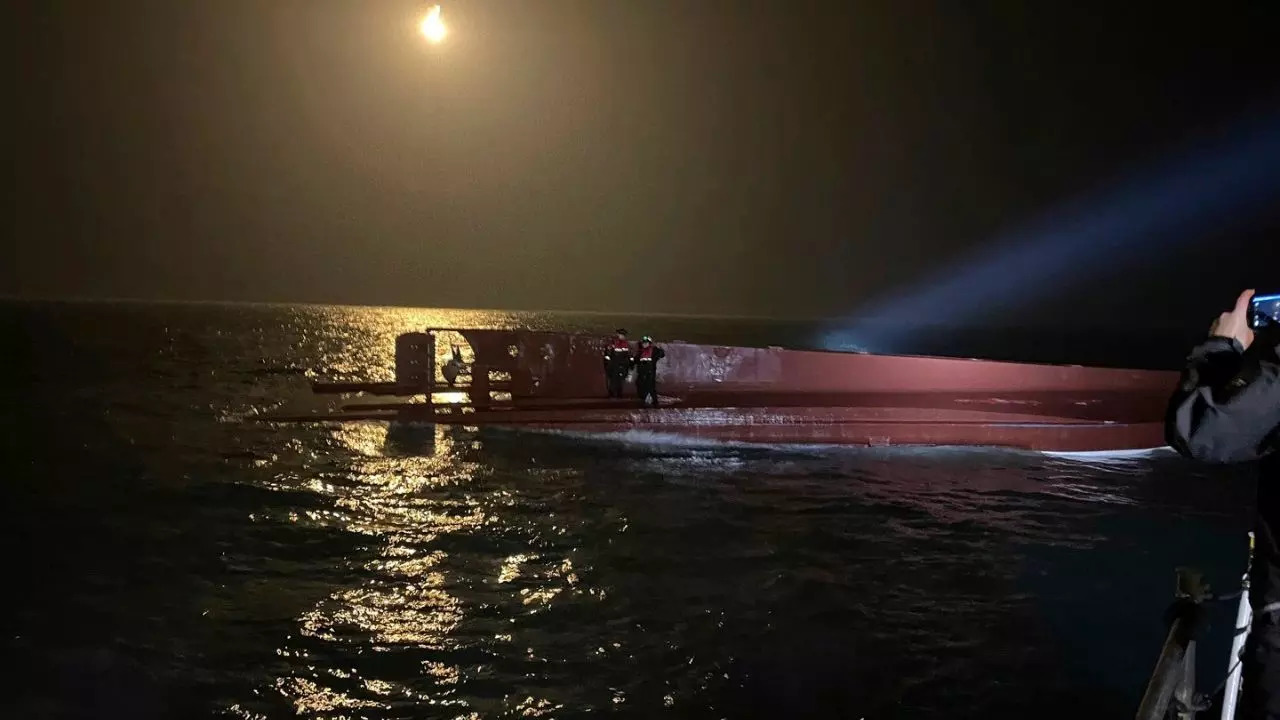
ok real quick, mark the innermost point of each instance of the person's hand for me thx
(1235, 322)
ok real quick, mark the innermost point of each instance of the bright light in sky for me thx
(432, 26)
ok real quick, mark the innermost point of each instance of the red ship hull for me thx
(555, 381)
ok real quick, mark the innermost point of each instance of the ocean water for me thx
(168, 556)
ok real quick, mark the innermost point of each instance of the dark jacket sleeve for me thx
(658, 354)
(1227, 406)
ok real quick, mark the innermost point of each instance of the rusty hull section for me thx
(555, 381)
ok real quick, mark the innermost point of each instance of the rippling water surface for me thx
(170, 557)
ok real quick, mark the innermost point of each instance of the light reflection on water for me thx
(404, 602)
(410, 600)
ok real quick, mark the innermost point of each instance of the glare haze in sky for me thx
(660, 156)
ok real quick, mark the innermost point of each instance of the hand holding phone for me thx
(1264, 311)
(1234, 323)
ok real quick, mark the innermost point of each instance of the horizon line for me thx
(6, 297)
(86, 299)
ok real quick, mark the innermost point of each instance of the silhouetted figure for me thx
(617, 363)
(453, 367)
(1227, 410)
(646, 362)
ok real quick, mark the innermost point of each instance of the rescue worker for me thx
(1227, 410)
(646, 362)
(617, 363)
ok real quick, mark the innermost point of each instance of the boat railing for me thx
(1171, 691)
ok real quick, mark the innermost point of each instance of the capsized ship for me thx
(555, 381)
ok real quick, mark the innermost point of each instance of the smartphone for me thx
(1264, 311)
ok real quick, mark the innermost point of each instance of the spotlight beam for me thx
(1214, 187)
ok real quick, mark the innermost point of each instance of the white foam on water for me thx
(655, 438)
(1103, 456)
(660, 439)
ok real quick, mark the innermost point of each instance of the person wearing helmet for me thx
(617, 363)
(646, 362)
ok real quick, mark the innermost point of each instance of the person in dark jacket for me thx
(646, 362)
(617, 363)
(1227, 410)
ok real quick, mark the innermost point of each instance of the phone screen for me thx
(1264, 311)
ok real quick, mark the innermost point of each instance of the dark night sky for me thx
(720, 156)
